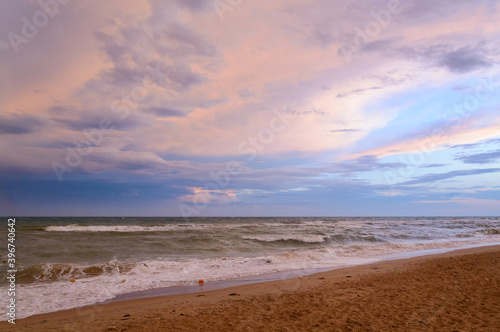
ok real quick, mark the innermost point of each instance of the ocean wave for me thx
(491, 231)
(125, 228)
(48, 272)
(357, 237)
(80, 284)
(170, 227)
(287, 238)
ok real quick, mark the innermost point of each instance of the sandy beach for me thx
(454, 291)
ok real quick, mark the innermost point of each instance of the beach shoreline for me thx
(456, 274)
(277, 276)
(220, 251)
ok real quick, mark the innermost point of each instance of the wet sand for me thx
(454, 291)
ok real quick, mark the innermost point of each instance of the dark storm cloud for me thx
(91, 197)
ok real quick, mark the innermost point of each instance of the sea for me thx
(73, 262)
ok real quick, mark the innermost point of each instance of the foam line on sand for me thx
(457, 290)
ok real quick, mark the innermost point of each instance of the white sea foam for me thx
(181, 253)
(38, 297)
(155, 228)
(123, 228)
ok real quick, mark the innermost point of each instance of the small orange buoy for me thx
(123, 281)
(73, 280)
(42, 275)
(5, 261)
(18, 263)
(201, 281)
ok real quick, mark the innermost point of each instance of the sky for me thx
(249, 108)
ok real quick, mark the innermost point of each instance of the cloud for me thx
(246, 93)
(173, 49)
(450, 55)
(346, 130)
(378, 45)
(464, 59)
(442, 176)
(4, 46)
(18, 124)
(479, 143)
(201, 195)
(466, 146)
(461, 132)
(178, 78)
(79, 120)
(481, 158)
(166, 112)
(124, 76)
(433, 165)
(195, 5)
(357, 91)
(468, 205)
(217, 84)
(362, 164)
(460, 200)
